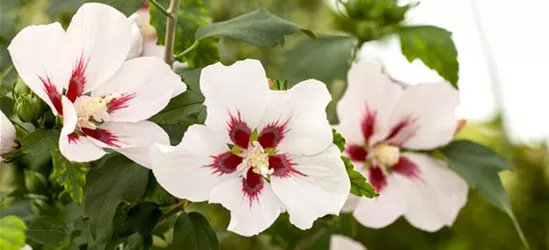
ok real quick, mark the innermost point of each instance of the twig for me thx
(189, 49)
(170, 31)
(160, 7)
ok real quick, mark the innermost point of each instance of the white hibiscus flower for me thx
(83, 76)
(143, 35)
(282, 156)
(340, 242)
(8, 139)
(381, 121)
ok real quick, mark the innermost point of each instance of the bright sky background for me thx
(517, 34)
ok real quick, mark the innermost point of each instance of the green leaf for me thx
(12, 233)
(71, 175)
(479, 166)
(359, 185)
(115, 180)
(40, 142)
(326, 59)
(260, 28)
(45, 232)
(142, 218)
(193, 232)
(338, 140)
(432, 45)
(127, 7)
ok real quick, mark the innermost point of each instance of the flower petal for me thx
(79, 148)
(321, 187)
(146, 85)
(383, 210)
(150, 48)
(184, 170)
(139, 137)
(120, 135)
(35, 54)
(340, 242)
(301, 110)
(438, 195)
(248, 217)
(8, 138)
(98, 38)
(369, 91)
(428, 111)
(136, 45)
(350, 204)
(70, 118)
(241, 88)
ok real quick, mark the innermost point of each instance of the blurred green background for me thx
(479, 225)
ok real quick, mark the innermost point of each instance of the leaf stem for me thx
(160, 7)
(518, 228)
(170, 31)
(180, 206)
(189, 49)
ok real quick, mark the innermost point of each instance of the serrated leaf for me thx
(359, 185)
(71, 175)
(44, 231)
(12, 233)
(479, 166)
(432, 45)
(338, 140)
(260, 28)
(115, 180)
(193, 232)
(127, 7)
(326, 59)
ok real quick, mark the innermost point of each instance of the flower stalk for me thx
(173, 10)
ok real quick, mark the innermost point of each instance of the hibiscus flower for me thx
(340, 242)
(8, 139)
(385, 124)
(82, 75)
(260, 153)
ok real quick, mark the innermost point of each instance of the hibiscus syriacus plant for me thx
(142, 125)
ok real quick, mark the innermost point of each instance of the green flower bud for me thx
(21, 88)
(29, 107)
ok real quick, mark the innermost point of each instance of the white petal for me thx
(383, 210)
(239, 88)
(182, 170)
(247, 219)
(70, 118)
(350, 204)
(140, 137)
(8, 139)
(150, 48)
(436, 197)
(136, 44)
(323, 190)
(26, 247)
(131, 135)
(367, 87)
(340, 242)
(79, 149)
(148, 83)
(100, 35)
(35, 54)
(304, 108)
(433, 108)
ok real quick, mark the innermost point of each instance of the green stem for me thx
(170, 31)
(180, 206)
(189, 49)
(160, 7)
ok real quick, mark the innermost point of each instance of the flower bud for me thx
(20, 88)
(29, 107)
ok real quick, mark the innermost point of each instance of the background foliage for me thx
(50, 194)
